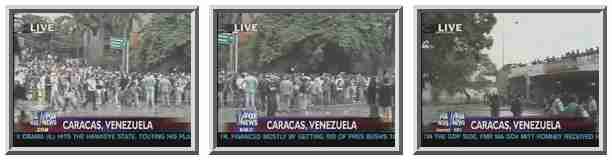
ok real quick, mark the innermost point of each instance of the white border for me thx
(193, 88)
(518, 7)
(397, 35)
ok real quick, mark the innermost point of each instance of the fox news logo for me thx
(247, 121)
(41, 121)
(38, 28)
(442, 28)
(450, 122)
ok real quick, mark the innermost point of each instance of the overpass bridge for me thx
(579, 74)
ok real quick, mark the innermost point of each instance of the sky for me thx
(529, 36)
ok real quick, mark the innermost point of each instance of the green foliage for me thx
(279, 35)
(164, 33)
(32, 40)
(160, 34)
(30, 18)
(456, 62)
(70, 30)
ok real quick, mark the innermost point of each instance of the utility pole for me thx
(236, 41)
(127, 55)
(124, 51)
(126, 39)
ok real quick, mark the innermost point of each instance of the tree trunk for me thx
(95, 47)
(94, 43)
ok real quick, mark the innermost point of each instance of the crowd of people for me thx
(571, 54)
(555, 59)
(283, 92)
(556, 105)
(561, 103)
(571, 105)
(73, 86)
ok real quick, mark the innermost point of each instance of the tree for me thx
(95, 27)
(455, 63)
(88, 35)
(32, 40)
(162, 36)
(72, 33)
(319, 42)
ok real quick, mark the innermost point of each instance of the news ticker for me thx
(307, 139)
(532, 139)
(115, 139)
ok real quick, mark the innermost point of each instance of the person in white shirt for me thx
(317, 91)
(180, 87)
(250, 90)
(241, 85)
(165, 87)
(149, 86)
(91, 92)
(339, 89)
(41, 88)
(54, 96)
(557, 106)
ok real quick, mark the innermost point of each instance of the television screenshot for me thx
(511, 79)
(305, 79)
(102, 79)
